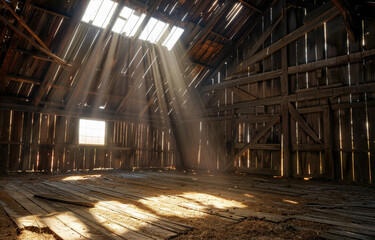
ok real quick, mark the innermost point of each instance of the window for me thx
(128, 22)
(99, 12)
(172, 38)
(91, 132)
(154, 30)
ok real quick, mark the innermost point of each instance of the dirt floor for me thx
(181, 205)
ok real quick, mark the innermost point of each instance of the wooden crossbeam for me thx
(251, 6)
(327, 13)
(244, 80)
(322, 93)
(36, 55)
(36, 45)
(242, 93)
(43, 47)
(128, 94)
(347, 18)
(147, 106)
(261, 40)
(52, 12)
(253, 141)
(201, 36)
(330, 62)
(302, 123)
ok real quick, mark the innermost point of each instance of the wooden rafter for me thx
(244, 80)
(43, 47)
(251, 6)
(253, 141)
(48, 77)
(262, 39)
(302, 123)
(229, 49)
(347, 17)
(203, 33)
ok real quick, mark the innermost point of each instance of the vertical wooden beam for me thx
(285, 121)
(328, 155)
(286, 166)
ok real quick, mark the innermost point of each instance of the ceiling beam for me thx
(251, 6)
(36, 45)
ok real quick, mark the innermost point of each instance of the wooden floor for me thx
(169, 204)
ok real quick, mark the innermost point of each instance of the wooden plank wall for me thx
(49, 143)
(343, 123)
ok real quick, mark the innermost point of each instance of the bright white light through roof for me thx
(172, 38)
(154, 30)
(99, 12)
(128, 22)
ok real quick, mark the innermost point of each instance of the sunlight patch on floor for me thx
(85, 177)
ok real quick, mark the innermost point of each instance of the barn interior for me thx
(176, 119)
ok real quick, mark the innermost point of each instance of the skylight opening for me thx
(99, 12)
(173, 37)
(153, 31)
(128, 22)
(91, 132)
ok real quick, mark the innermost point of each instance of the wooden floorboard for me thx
(154, 205)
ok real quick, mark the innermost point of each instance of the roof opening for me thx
(99, 12)
(128, 22)
(173, 37)
(154, 30)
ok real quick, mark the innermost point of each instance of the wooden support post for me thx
(287, 163)
(286, 166)
(329, 171)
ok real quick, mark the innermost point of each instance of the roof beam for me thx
(203, 33)
(251, 6)
(7, 60)
(230, 49)
(36, 45)
(52, 12)
(347, 17)
(43, 46)
(48, 77)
